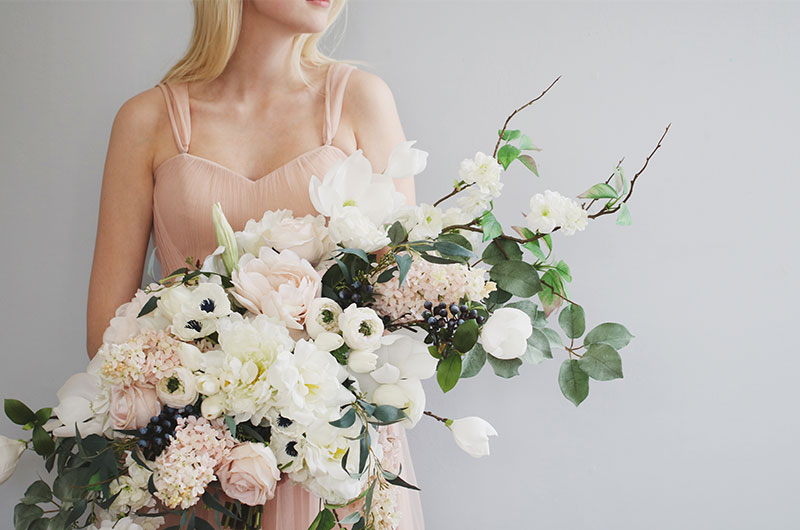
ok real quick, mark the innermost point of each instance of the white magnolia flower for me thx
(407, 395)
(408, 354)
(10, 452)
(213, 262)
(84, 401)
(484, 172)
(361, 327)
(551, 209)
(322, 316)
(351, 183)
(327, 341)
(361, 362)
(472, 435)
(352, 228)
(305, 236)
(505, 334)
(178, 388)
(405, 161)
(429, 223)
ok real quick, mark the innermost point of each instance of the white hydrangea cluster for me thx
(551, 209)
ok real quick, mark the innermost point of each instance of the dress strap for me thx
(335, 83)
(177, 99)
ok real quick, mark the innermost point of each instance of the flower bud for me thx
(472, 435)
(225, 238)
(10, 451)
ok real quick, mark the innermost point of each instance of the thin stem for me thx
(531, 102)
(556, 292)
(434, 416)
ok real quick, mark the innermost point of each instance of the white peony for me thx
(10, 452)
(484, 172)
(259, 338)
(352, 228)
(405, 161)
(305, 236)
(361, 327)
(322, 316)
(472, 435)
(505, 334)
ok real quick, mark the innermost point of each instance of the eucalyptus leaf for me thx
(516, 277)
(347, 420)
(448, 248)
(473, 361)
(397, 233)
(355, 252)
(37, 492)
(601, 362)
(25, 514)
(553, 337)
(615, 335)
(573, 381)
(572, 320)
(403, 266)
(505, 368)
(538, 348)
(388, 414)
(501, 250)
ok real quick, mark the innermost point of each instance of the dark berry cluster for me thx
(156, 436)
(357, 292)
(442, 321)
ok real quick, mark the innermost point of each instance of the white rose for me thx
(361, 327)
(178, 388)
(353, 229)
(429, 223)
(362, 362)
(10, 451)
(322, 316)
(472, 435)
(505, 334)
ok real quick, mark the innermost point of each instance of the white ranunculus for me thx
(405, 161)
(361, 362)
(327, 341)
(305, 236)
(353, 229)
(178, 388)
(472, 435)
(484, 172)
(505, 334)
(322, 316)
(351, 183)
(429, 223)
(10, 451)
(361, 327)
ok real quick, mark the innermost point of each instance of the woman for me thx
(246, 117)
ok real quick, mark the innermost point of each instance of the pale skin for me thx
(254, 117)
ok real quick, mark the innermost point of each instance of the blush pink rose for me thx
(249, 473)
(132, 406)
(281, 285)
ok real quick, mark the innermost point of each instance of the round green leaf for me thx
(43, 442)
(573, 381)
(505, 368)
(493, 254)
(37, 492)
(538, 348)
(602, 362)
(25, 514)
(572, 320)
(516, 277)
(473, 361)
(615, 335)
(466, 336)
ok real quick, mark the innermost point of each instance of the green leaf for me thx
(599, 191)
(148, 306)
(624, 216)
(351, 518)
(43, 442)
(473, 361)
(25, 514)
(456, 238)
(572, 320)
(498, 296)
(75, 513)
(530, 163)
(563, 270)
(507, 154)
(615, 335)
(59, 522)
(491, 226)
(448, 248)
(37, 492)
(538, 348)
(508, 135)
(43, 414)
(347, 420)
(448, 371)
(388, 414)
(527, 307)
(397, 481)
(397, 233)
(438, 259)
(231, 423)
(355, 252)
(532, 246)
(516, 277)
(202, 524)
(466, 336)
(403, 266)
(551, 302)
(602, 362)
(573, 381)
(549, 240)
(620, 182)
(501, 250)
(40, 524)
(505, 368)
(553, 337)
(526, 144)
(18, 412)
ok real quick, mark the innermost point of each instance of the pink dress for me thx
(186, 187)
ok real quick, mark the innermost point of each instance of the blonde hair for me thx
(217, 24)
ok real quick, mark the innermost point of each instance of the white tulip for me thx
(472, 435)
(362, 362)
(505, 334)
(10, 451)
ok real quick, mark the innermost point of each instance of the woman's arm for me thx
(371, 110)
(125, 217)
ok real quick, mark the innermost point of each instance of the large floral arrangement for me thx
(295, 348)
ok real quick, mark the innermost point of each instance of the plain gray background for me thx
(703, 431)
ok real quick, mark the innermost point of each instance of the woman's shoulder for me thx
(368, 97)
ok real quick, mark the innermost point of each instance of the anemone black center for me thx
(290, 450)
(195, 325)
(207, 305)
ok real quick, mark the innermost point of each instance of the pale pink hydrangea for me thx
(144, 358)
(430, 281)
(186, 467)
(385, 511)
(162, 354)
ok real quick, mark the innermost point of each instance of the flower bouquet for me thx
(298, 348)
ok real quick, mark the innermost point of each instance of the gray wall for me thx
(702, 432)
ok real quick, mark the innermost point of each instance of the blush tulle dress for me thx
(185, 188)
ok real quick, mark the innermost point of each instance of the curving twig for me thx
(531, 102)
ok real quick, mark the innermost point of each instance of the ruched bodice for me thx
(185, 188)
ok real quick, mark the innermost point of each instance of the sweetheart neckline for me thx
(236, 173)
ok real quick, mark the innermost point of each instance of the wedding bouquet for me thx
(301, 342)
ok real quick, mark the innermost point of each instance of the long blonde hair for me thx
(217, 24)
